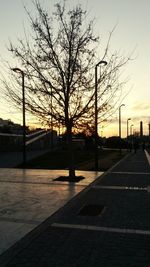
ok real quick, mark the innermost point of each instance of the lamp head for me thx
(17, 70)
(121, 106)
(102, 62)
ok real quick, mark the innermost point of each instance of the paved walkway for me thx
(28, 197)
(106, 224)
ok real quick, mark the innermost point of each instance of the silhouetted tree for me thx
(58, 60)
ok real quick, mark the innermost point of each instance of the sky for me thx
(132, 34)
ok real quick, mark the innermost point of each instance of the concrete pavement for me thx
(28, 197)
(106, 224)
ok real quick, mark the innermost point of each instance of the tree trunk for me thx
(71, 152)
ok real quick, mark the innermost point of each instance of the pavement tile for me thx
(67, 247)
(123, 209)
(140, 180)
(135, 162)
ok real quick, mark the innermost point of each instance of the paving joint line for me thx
(101, 229)
(14, 220)
(46, 183)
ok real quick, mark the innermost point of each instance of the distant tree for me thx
(116, 142)
(59, 61)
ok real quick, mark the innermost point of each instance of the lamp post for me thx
(102, 62)
(131, 129)
(51, 120)
(120, 125)
(120, 119)
(17, 70)
(128, 127)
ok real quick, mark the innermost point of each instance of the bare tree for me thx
(58, 61)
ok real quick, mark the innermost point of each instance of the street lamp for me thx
(120, 119)
(17, 70)
(131, 129)
(102, 62)
(128, 126)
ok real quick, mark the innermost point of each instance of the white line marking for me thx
(136, 173)
(119, 187)
(103, 229)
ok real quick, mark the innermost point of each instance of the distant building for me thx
(4, 122)
(141, 129)
(7, 126)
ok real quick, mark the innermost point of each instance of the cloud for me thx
(136, 121)
(141, 106)
(143, 118)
